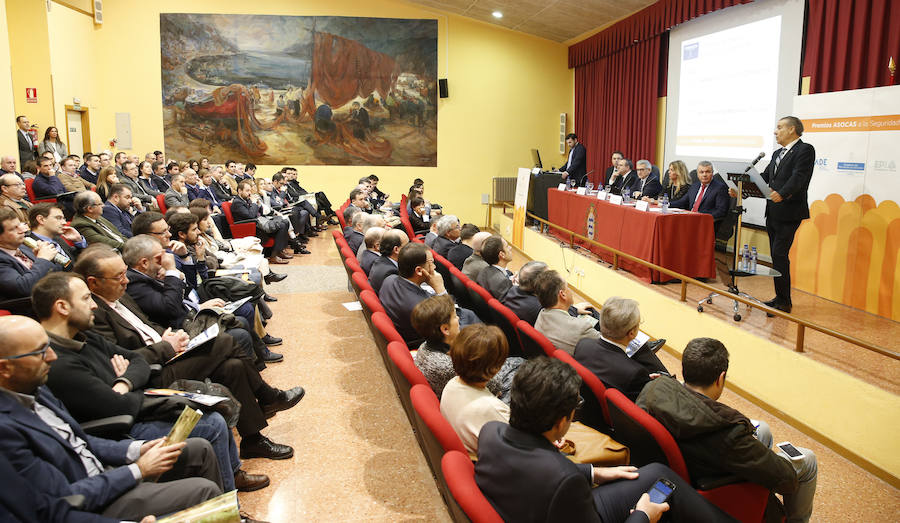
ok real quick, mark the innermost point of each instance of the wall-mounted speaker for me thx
(442, 88)
(98, 12)
(562, 133)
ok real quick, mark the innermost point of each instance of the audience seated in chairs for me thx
(12, 195)
(46, 446)
(520, 297)
(475, 263)
(177, 195)
(120, 208)
(368, 221)
(401, 292)
(526, 478)
(391, 243)
(436, 320)
(370, 254)
(418, 215)
(717, 440)
(89, 221)
(496, 278)
(448, 231)
(243, 209)
(607, 355)
(353, 234)
(49, 224)
(458, 253)
(20, 265)
(555, 321)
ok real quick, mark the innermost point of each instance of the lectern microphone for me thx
(758, 158)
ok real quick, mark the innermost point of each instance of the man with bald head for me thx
(475, 263)
(12, 195)
(8, 166)
(371, 253)
(49, 449)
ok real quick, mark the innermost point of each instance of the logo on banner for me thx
(885, 166)
(851, 166)
(591, 221)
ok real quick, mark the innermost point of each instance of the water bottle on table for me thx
(753, 256)
(664, 204)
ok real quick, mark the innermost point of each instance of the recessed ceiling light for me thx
(497, 14)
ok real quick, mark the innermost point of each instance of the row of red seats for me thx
(647, 439)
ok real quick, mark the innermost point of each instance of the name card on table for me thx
(601, 195)
(581, 190)
(642, 206)
(562, 187)
(536, 171)
(615, 199)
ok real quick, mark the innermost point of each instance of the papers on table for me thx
(353, 306)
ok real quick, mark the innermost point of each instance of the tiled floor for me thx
(356, 457)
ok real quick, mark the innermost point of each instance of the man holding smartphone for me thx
(718, 441)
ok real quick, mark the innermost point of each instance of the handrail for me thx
(685, 280)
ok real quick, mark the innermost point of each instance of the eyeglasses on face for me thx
(42, 352)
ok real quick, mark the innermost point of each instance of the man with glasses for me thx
(48, 224)
(12, 195)
(21, 266)
(89, 221)
(646, 184)
(48, 448)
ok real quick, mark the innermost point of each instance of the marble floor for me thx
(356, 457)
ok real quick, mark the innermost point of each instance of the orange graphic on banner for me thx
(887, 122)
(849, 252)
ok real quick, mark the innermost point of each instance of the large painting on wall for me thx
(299, 90)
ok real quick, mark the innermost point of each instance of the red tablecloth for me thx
(681, 242)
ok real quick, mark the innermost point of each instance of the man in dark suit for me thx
(709, 195)
(448, 231)
(496, 278)
(117, 209)
(20, 266)
(458, 253)
(386, 264)
(90, 171)
(646, 184)
(526, 478)
(49, 224)
(788, 175)
(520, 298)
(606, 357)
(623, 177)
(26, 143)
(46, 184)
(47, 446)
(206, 190)
(616, 156)
(576, 163)
(371, 253)
(243, 209)
(419, 218)
(353, 234)
(220, 187)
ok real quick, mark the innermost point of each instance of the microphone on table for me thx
(758, 158)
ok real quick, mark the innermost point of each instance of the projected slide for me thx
(727, 92)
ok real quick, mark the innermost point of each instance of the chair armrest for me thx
(713, 483)
(76, 501)
(113, 425)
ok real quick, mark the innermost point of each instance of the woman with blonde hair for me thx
(105, 179)
(678, 183)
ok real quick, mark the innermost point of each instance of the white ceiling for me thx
(557, 20)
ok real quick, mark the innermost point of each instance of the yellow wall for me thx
(506, 91)
(860, 419)
(8, 144)
(30, 59)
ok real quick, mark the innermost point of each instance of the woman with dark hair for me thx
(195, 165)
(105, 179)
(145, 178)
(52, 144)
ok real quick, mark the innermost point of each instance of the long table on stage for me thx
(682, 242)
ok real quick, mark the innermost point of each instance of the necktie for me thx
(699, 199)
(779, 157)
(25, 260)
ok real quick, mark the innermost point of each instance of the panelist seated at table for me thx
(623, 177)
(709, 195)
(646, 183)
(616, 156)
(676, 184)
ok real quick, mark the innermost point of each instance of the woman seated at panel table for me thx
(677, 184)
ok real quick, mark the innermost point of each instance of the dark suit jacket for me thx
(121, 219)
(652, 187)
(137, 190)
(50, 464)
(614, 368)
(367, 259)
(791, 181)
(222, 191)
(150, 187)
(458, 254)
(494, 281)
(418, 224)
(15, 280)
(715, 201)
(47, 186)
(525, 305)
(621, 182)
(399, 296)
(109, 324)
(578, 167)
(193, 191)
(161, 301)
(209, 194)
(442, 246)
(381, 269)
(161, 183)
(354, 239)
(26, 149)
(527, 479)
(242, 209)
(94, 233)
(87, 175)
(84, 378)
(608, 174)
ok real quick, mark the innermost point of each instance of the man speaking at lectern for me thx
(788, 175)
(574, 167)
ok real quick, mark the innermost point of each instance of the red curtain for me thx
(849, 43)
(615, 105)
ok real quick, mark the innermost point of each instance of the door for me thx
(74, 132)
